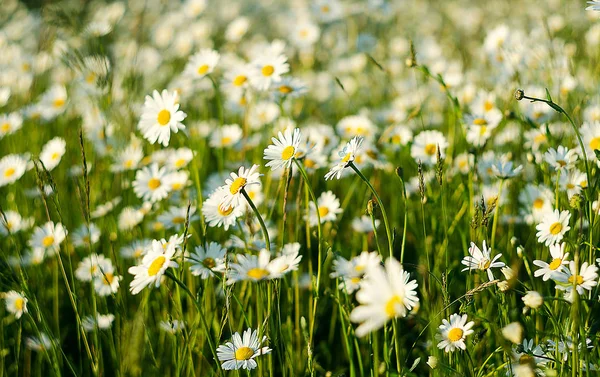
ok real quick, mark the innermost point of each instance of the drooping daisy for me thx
(346, 155)
(250, 267)
(16, 303)
(160, 116)
(267, 70)
(553, 269)
(242, 351)
(385, 293)
(13, 222)
(12, 167)
(481, 260)
(201, 64)
(425, 146)
(154, 265)
(9, 123)
(585, 277)
(152, 183)
(52, 153)
(454, 332)
(48, 237)
(205, 262)
(553, 227)
(562, 158)
(328, 208)
(236, 183)
(283, 150)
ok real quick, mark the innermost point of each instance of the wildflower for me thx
(364, 224)
(129, 218)
(513, 332)
(160, 116)
(48, 237)
(205, 262)
(425, 146)
(527, 359)
(286, 262)
(585, 277)
(12, 222)
(561, 159)
(12, 167)
(283, 150)
(481, 260)
(39, 344)
(172, 326)
(217, 213)
(226, 136)
(236, 183)
(180, 158)
(555, 267)
(175, 217)
(328, 208)
(385, 293)
(267, 70)
(16, 303)
(533, 299)
(86, 235)
(154, 265)
(10, 123)
(454, 332)
(250, 267)
(593, 5)
(432, 361)
(152, 183)
(553, 227)
(241, 351)
(347, 156)
(201, 64)
(355, 125)
(352, 271)
(106, 282)
(91, 266)
(101, 321)
(505, 170)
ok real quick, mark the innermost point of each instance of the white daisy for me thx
(217, 213)
(241, 351)
(160, 116)
(9, 123)
(346, 155)
(328, 208)
(48, 237)
(152, 183)
(12, 167)
(16, 303)
(481, 260)
(52, 153)
(205, 262)
(553, 227)
(201, 64)
(101, 321)
(12, 222)
(226, 136)
(454, 332)
(268, 69)
(553, 269)
(250, 267)
(286, 262)
(283, 150)
(106, 283)
(585, 278)
(425, 146)
(562, 158)
(154, 265)
(236, 183)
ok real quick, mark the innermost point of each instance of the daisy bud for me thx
(513, 241)
(513, 332)
(508, 272)
(113, 236)
(519, 94)
(533, 299)
(432, 361)
(520, 251)
(575, 201)
(503, 286)
(370, 206)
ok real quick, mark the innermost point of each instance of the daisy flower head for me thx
(154, 265)
(287, 261)
(250, 267)
(288, 87)
(152, 183)
(12, 167)
(172, 326)
(425, 146)
(202, 63)
(385, 293)
(268, 70)
(236, 183)
(328, 207)
(48, 237)
(505, 169)
(13, 222)
(242, 351)
(283, 150)
(347, 156)
(16, 303)
(9, 123)
(481, 260)
(52, 153)
(206, 261)
(553, 269)
(53, 102)
(101, 321)
(561, 158)
(553, 227)
(160, 116)
(106, 282)
(454, 332)
(582, 278)
(226, 136)
(217, 213)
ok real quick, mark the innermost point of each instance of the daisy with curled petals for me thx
(454, 332)
(553, 227)
(206, 261)
(283, 150)
(237, 182)
(241, 351)
(384, 294)
(160, 116)
(481, 260)
(154, 265)
(217, 213)
(553, 269)
(585, 277)
(16, 303)
(152, 183)
(347, 156)
(12, 167)
(201, 64)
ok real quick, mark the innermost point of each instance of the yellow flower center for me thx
(154, 183)
(480, 122)
(244, 353)
(555, 228)
(267, 70)
(485, 264)
(128, 163)
(323, 211)
(482, 130)
(325, 9)
(430, 149)
(257, 273)
(488, 105)
(108, 278)
(538, 203)
(156, 265)
(203, 69)
(595, 143)
(226, 140)
(55, 155)
(225, 212)
(577, 278)
(556, 262)
(163, 118)
(285, 89)
(9, 172)
(157, 225)
(179, 163)
(178, 220)
(562, 163)
(347, 157)
(47, 241)
(309, 163)
(538, 139)
(525, 359)
(209, 263)
(391, 307)
(288, 152)
(240, 80)
(5, 127)
(455, 334)
(19, 304)
(59, 102)
(237, 185)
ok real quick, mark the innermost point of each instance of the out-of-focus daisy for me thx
(535, 202)
(584, 277)
(201, 64)
(505, 169)
(364, 224)
(236, 30)
(305, 34)
(180, 158)
(352, 271)
(128, 159)
(533, 299)
(328, 208)
(250, 267)
(573, 182)
(553, 269)
(160, 116)
(136, 249)
(525, 354)
(355, 125)
(454, 332)
(286, 262)
(52, 153)
(268, 69)
(328, 10)
(283, 150)
(152, 183)
(12, 167)
(101, 321)
(346, 155)
(217, 213)
(174, 217)
(172, 326)
(129, 218)
(241, 352)
(593, 5)
(53, 102)
(13, 222)
(89, 267)
(236, 183)
(39, 344)
(16, 303)
(48, 237)
(9, 123)
(562, 158)
(154, 265)
(288, 87)
(385, 293)
(481, 260)
(553, 227)
(590, 132)
(205, 262)
(85, 236)
(425, 146)
(226, 136)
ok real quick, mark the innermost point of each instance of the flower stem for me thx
(497, 211)
(260, 219)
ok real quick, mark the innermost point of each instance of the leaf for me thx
(417, 361)
(548, 96)
(376, 63)
(340, 84)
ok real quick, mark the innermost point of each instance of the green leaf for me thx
(548, 96)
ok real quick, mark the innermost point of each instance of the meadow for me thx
(299, 188)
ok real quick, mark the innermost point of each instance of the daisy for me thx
(52, 153)
(217, 213)
(553, 269)
(364, 224)
(236, 183)
(152, 183)
(288, 261)
(136, 249)
(590, 133)
(305, 34)
(16, 303)
(425, 146)
(352, 271)
(179, 158)
(525, 354)
(128, 159)
(585, 278)
(241, 351)
(102, 322)
(267, 70)
(85, 236)
(283, 150)
(328, 208)
(250, 267)
(385, 293)
(226, 136)
(89, 267)
(172, 326)
(9, 123)
(481, 260)
(553, 227)
(533, 299)
(129, 218)
(205, 262)
(504, 169)
(237, 79)
(175, 217)
(48, 237)
(38, 344)
(160, 116)
(355, 125)
(12, 167)
(12, 222)
(454, 332)
(593, 5)
(536, 202)
(562, 158)
(106, 283)
(346, 155)
(53, 102)
(201, 64)
(154, 265)
(573, 182)
(288, 87)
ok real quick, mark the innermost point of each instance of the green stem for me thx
(497, 211)
(260, 219)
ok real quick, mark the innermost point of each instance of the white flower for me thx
(562, 158)
(205, 263)
(513, 332)
(585, 278)
(48, 237)
(283, 150)
(9, 123)
(241, 352)
(454, 332)
(217, 213)
(12, 167)
(250, 267)
(533, 299)
(237, 182)
(346, 155)
(160, 116)
(553, 269)
(553, 227)
(153, 266)
(172, 327)
(481, 260)
(267, 70)
(504, 169)
(152, 183)
(425, 146)
(201, 64)
(328, 208)
(16, 303)
(102, 321)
